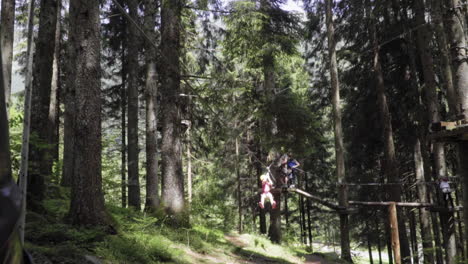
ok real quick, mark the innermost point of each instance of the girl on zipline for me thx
(267, 184)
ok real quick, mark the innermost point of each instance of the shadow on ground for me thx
(254, 257)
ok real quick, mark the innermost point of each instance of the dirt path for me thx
(315, 259)
(249, 257)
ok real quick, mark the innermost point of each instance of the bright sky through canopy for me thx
(292, 5)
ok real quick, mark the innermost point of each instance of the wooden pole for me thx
(394, 232)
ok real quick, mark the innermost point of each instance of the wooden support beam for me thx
(316, 199)
(392, 214)
(444, 125)
(403, 204)
(459, 133)
(312, 197)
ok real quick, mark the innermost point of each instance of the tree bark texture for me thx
(445, 62)
(123, 116)
(423, 39)
(123, 132)
(394, 233)
(424, 214)
(339, 146)
(54, 107)
(5, 158)
(87, 199)
(239, 193)
(40, 152)
(460, 69)
(151, 89)
(458, 51)
(68, 169)
(133, 148)
(7, 20)
(173, 178)
(274, 230)
(23, 174)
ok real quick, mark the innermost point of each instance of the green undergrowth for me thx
(140, 238)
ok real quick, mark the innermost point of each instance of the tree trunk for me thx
(413, 235)
(274, 230)
(123, 124)
(23, 174)
(446, 66)
(54, 107)
(458, 50)
(40, 152)
(68, 168)
(459, 226)
(7, 20)
(303, 220)
(424, 214)
(460, 68)
(377, 230)
(173, 178)
(152, 178)
(239, 193)
(133, 148)
(390, 167)
(309, 223)
(339, 146)
(5, 156)
(423, 39)
(87, 199)
(369, 246)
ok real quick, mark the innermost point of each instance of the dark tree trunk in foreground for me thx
(274, 230)
(173, 178)
(151, 89)
(87, 199)
(40, 152)
(23, 173)
(7, 22)
(68, 169)
(5, 158)
(133, 150)
(390, 164)
(339, 146)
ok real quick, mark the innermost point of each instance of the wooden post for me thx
(392, 212)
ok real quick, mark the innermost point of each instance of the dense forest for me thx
(234, 131)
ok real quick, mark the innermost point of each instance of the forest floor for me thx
(142, 239)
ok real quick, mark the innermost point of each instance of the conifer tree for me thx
(87, 199)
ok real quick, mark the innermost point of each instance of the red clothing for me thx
(266, 187)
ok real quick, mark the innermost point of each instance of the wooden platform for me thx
(459, 133)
